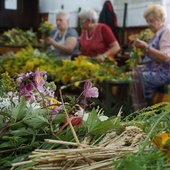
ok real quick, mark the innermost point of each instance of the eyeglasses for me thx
(82, 21)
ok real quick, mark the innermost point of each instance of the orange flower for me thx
(66, 79)
(115, 63)
(110, 58)
(160, 140)
(79, 58)
(111, 70)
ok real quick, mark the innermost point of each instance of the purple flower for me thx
(56, 111)
(90, 91)
(38, 79)
(25, 91)
(29, 87)
(27, 83)
(21, 78)
(24, 78)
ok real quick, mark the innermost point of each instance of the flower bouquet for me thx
(137, 53)
(46, 28)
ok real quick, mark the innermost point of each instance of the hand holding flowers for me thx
(139, 44)
(46, 28)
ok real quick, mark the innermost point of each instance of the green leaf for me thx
(132, 165)
(20, 111)
(103, 127)
(58, 118)
(37, 118)
(14, 141)
(92, 120)
(22, 132)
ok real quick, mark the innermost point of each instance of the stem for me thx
(69, 121)
(56, 135)
(5, 128)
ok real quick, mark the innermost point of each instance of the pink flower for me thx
(38, 79)
(29, 87)
(90, 91)
(21, 78)
(27, 83)
(27, 92)
(24, 78)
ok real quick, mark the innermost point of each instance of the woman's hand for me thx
(49, 41)
(100, 58)
(140, 44)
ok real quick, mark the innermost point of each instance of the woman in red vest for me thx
(97, 39)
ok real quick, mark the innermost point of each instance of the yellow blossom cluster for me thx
(65, 71)
(46, 28)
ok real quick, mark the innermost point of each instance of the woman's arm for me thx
(112, 43)
(158, 55)
(68, 47)
(114, 49)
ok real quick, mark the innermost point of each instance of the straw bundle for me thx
(83, 157)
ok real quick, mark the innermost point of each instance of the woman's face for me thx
(62, 22)
(84, 23)
(154, 23)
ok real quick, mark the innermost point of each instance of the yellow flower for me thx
(122, 75)
(160, 140)
(54, 103)
(139, 52)
(46, 27)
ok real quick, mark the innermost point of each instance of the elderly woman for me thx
(64, 40)
(97, 40)
(155, 71)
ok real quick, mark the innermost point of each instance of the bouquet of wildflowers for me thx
(46, 28)
(137, 53)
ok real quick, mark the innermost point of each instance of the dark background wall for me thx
(26, 16)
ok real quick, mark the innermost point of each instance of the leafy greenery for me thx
(19, 37)
(152, 120)
(23, 126)
(27, 59)
(65, 71)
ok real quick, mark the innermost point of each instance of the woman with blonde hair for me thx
(155, 70)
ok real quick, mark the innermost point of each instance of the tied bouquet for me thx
(46, 28)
